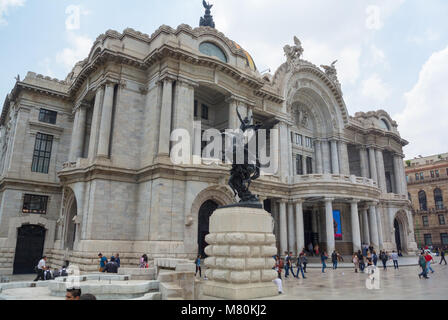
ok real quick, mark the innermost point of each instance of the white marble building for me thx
(85, 167)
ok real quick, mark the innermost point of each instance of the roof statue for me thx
(293, 53)
(207, 19)
(331, 72)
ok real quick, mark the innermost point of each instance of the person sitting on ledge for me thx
(111, 266)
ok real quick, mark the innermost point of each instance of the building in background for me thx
(85, 161)
(427, 179)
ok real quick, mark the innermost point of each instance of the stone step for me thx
(170, 290)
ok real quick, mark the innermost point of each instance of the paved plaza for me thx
(345, 284)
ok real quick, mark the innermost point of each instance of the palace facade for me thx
(85, 166)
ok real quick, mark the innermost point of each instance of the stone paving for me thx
(345, 284)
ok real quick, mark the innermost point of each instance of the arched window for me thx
(438, 198)
(422, 200)
(212, 50)
(385, 125)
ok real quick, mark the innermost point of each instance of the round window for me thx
(212, 50)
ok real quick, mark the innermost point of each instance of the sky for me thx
(392, 54)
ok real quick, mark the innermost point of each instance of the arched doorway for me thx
(397, 235)
(206, 210)
(29, 248)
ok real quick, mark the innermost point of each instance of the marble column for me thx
(365, 226)
(334, 157)
(183, 108)
(283, 228)
(319, 165)
(78, 135)
(326, 159)
(397, 174)
(106, 121)
(300, 231)
(283, 149)
(96, 122)
(291, 233)
(344, 161)
(373, 226)
(276, 217)
(364, 162)
(165, 118)
(356, 233)
(380, 170)
(380, 228)
(372, 162)
(404, 185)
(329, 225)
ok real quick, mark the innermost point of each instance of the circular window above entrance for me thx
(212, 50)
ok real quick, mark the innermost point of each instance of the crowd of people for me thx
(44, 272)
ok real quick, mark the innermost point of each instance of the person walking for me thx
(316, 249)
(355, 261)
(374, 257)
(310, 248)
(334, 260)
(394, 257)
(384, 258)
(442, 255)
(102, 261)
(288, 264)
(361, 261)
(323, 258)
(300, 266)
(422, 264)
(304, 261)
(279, 266)
(428, 258)
(197, 262)
(41, 269)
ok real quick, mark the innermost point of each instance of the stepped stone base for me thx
(240, 254)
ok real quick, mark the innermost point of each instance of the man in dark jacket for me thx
(442, 255)
(334, 259)
(111, 266)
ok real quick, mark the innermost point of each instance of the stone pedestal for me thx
(240, 254)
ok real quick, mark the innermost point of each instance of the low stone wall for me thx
(139, 273)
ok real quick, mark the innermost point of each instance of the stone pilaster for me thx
(326, 159)
(380, 170)
(343, 157)
(365, 225)
(380, 227)
(165, 117)
(96, 123)
(397, 174)
(364, 162)
(319, 165)
(304, 165)
(78, 135)
(373, 226)
(334, 157)
(372, 162)
(106, 121)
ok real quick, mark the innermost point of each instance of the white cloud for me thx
(423, 122)
(79, 49)
(5, 5)
(428, 36)
(375, 89)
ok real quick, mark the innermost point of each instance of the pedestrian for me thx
(197, 262)
(355, 261)
(422, 264)
(117, 259)
(361, 261)
(334, 259)
(63, 272)
(111, 266)
(56, 273)
(374, 257)
(48, 275)
(143, 261)
(279, 266)
(371, 248)
(288, 264)
(304, 261)
(384, 258)
(442, 256)
(428, 258)
(41, 269)
(300, 266)
(103, 261)
(310, 248)
(316, 249)
(364, 250)
(323, 258)
(73, 294)
(394, 257)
